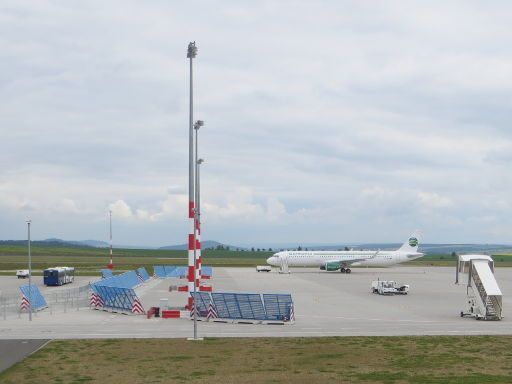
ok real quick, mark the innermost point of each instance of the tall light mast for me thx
(192, 246)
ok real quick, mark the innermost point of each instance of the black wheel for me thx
(461, 314)
(342, 270)
(347, 270)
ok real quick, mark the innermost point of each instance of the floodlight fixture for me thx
(192, 50)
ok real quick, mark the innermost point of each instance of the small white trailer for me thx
(389, 287)
(263, 268)
(22, 273)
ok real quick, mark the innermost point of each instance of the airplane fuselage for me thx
(354, 258)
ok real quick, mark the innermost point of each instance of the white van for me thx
(22, 273)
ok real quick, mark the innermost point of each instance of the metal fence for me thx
(58, 301)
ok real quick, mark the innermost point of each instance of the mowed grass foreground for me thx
(426, 359)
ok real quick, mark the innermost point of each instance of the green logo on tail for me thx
(413, 241)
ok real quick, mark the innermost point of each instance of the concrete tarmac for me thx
(13, 351)
(326, 304)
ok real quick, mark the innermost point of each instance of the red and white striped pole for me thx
(192, 287)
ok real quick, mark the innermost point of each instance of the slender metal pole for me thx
(191, 131)
(191, 54)
(111, 265)
(29, 274)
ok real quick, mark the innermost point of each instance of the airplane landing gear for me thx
(342, 270)
(345, 270)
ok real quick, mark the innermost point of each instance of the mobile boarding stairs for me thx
(484, 296)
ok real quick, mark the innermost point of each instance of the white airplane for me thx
(334, 260)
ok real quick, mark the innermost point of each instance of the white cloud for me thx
(121, 209)
(433, 200)
(387, 115)
(242, 204)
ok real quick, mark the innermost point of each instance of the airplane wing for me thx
(334, 265)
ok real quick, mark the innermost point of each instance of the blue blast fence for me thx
(277, 306)
(246, 306)
(106, 273)
(206, 270)
(32, 291)
(115, 298)
(117, 292)
(159, 271)
(165, 271)
(143, 273)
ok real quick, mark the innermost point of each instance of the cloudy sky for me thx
(325, 122)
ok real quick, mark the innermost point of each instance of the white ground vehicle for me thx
(389, 287)
(22, 273)
(263, 268)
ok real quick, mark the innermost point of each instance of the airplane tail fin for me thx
(411, 245)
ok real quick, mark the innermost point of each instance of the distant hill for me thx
(94, 243)
(204, 245)
(440, 249)
(47, 243)
(80, 243)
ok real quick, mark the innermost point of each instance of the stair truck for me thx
(484, 298)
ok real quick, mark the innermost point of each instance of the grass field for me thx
(426, 359)
(88, 261)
